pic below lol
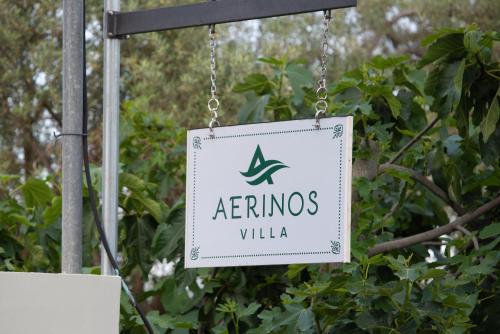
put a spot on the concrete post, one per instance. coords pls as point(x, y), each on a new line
point(73, 40)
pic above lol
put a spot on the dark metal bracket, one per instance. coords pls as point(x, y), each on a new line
point(123, 24)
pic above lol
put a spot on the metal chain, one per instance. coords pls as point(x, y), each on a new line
point(213, 102)
point(321, 104)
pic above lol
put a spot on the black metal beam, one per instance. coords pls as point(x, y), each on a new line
point(121, 24)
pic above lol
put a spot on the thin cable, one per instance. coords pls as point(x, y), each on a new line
point(92, 200)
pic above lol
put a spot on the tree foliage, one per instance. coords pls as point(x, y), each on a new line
point(426, 161)
point(170, 68)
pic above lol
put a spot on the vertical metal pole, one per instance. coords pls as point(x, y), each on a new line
point(111, 101)
point(71, 251)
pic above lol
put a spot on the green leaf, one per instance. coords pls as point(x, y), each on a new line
point(272, 61)
point(132, 182)
point(9, 265)
point(416, 79)
point(257, 82)
point(229, 306)
point(445, 45)
point(488, 247)
point(485, 179)
point(254, 109)
point(305, 322)
point(441, 33)
point(275, 319)
point(299, 77)
point(394, 104)
point(490, 151)
point(220, 329)
point(445, 84)
point(20, 219)
point(175, 298)
point(433, 273)
point(366, 321)
point(294, 270)
point(487, 265)
point(472, 40)
point(187, 321)
point(36, 193)
point(400, 174)
point(153, 207)
point(458, 82)
point(382, 63)
point(490, 231)
point(403, 270)
point(168, 236)
point(7, 178)
point(52, 213)
point(38, 256)
point(386, 92)
point(139, 235)
point(407, 133)
point(452, 145)
point(164, 321)
point(343, 84)
point(249, 310)
point(489, 123)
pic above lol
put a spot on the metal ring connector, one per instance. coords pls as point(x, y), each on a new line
point(213, 104)
point(321, 105)
point(322, 93)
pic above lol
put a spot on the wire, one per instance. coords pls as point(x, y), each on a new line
point(92, 200)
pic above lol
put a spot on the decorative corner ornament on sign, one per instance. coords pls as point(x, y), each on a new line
point(335, 246)
point(195, 253)
point(338, 130)
point(197, 143)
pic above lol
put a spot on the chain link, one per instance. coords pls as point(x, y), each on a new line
point(321, 104)
point(213, 102)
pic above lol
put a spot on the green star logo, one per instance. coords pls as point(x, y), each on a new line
point(261, 170)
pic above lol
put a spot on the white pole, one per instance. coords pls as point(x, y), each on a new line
point(110, 159)
point(71, 249)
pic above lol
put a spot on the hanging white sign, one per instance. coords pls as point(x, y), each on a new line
point(269, 193)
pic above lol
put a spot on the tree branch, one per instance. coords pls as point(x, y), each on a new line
point(434, 233)
point(389, 25)
point(397, 17)
point(55, 117)
point(426, 183)
point(413, 141)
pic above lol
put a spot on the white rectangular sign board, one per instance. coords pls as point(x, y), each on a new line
point(59, 303)
point(269, 193)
